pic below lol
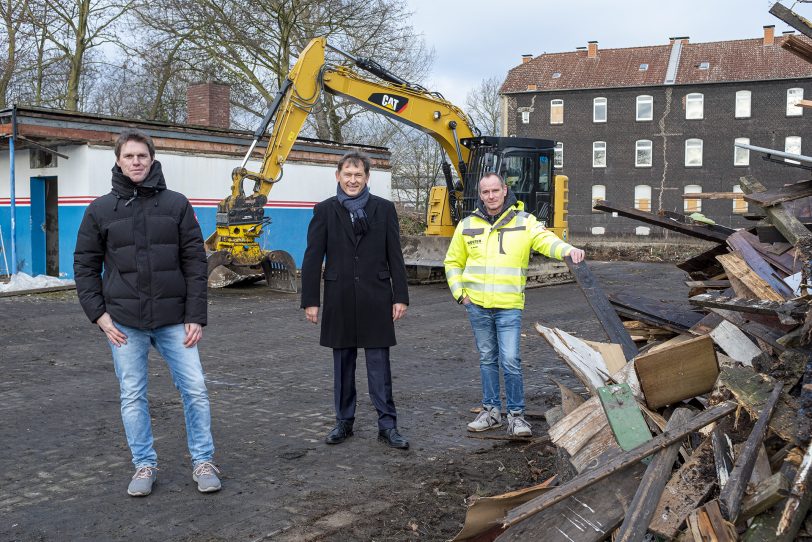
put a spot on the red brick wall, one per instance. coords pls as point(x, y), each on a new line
point(208, 104)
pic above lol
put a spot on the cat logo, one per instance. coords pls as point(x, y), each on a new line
point(392, 102)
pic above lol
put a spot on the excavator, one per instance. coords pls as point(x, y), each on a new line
point(526, 164)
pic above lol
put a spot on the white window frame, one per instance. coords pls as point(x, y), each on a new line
point(642, 100)
point(693, 144)
point(640, 145)
point(596, 105)
point(743, 104)
point(794, 95)
point(739, 203)
point(793, 144)
point(692, 205)
point(598, 193)
point(694, 106)
point(557, 104)
point(525, 117)
point(558, 155)
point(597, 147)
point(741, 157)
point(642, 197)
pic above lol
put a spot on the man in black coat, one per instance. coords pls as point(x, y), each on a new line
point(365, 291)
point(146, 241)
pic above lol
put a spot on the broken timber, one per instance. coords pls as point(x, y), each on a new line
point(706, 232)
point(618, 462)
point(757, 263)
point(642, 508)
point(791, 18)
point(794, 309)
point(790, 192)
point(603, 309)
point(656, 312)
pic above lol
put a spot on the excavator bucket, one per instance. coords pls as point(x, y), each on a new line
point(280, 271)
point(424, 255)
point(223, 271)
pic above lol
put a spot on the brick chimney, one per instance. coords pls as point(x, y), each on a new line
point(769, 35)
point(592, 49)
point(526, 58)
point(207, 104)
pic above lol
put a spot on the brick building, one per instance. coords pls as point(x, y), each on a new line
point(642, 126)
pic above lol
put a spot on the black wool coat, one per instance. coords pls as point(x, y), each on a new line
point(139, 256)
point(363, 276)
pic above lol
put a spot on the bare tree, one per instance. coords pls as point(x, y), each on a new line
point(482, 105)
point(13, 15)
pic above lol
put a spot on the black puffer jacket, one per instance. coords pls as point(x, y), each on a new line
point(151, 248)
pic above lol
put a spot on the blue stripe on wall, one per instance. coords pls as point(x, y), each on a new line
point(287, 231)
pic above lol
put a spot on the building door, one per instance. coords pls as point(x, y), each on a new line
point(44, 226)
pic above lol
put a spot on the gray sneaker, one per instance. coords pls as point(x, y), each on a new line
point(518, 426)
point(488, 418)
point(141, 484)
point(205, 474)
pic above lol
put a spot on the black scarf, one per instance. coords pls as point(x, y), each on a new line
point(355, 205)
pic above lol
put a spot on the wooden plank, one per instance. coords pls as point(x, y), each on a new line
point(673, 341)
point(757, 263)
point(642, 508)
point(694, 230)
point(730, 498)
point(734, 343)
point(585, 362)
point(800, 189)
point(789, 226)
point(603, 442)
point(798, 500)
point(771, 235)
point(680, 372)
point(723, 459)
point(589, 516)
point(573, 431)
point(752, 389)
point(602, 308)
point(737, 269)
point(677, 315)
point(713, 195)
point(618, 462)
point(791, 18)
point(802, 49)
point(624, 416)
point(684, 492)
point(795, 309)
point(765, 495)
point(611, 353)
point(707, 284)
point(708, 525)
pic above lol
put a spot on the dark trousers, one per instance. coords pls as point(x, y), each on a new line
point(379, 379)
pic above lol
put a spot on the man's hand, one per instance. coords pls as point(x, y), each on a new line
point(398, 311)
point(114, 335)
point(577, 255)
point(312, 314)
point(194, 332)
point(466, 300)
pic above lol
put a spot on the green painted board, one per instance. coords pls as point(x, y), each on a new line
point(625, 418)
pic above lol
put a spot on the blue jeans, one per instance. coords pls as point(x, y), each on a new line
point(184, 363)
point(497, 333)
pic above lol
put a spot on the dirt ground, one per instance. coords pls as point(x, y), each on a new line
point(65, 464)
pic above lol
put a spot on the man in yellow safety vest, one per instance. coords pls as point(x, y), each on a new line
point(486, 268)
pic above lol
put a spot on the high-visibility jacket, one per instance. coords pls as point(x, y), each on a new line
point(488, 263)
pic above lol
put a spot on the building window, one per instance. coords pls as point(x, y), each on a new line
point(704, 65)
point(642, 197)
point(741, 157)
point(525, 117)
point(743, 104)
point(556, 75)
point(598, 193)
point(739, 205)
point(599, 154)
point(643, 67)
point(558, 159)
point(599, 110)
point(692, 205)
point(598, 230)
point(642, 230)
point(794, 95)
point(642, 153)
point(556, 111)
point(694, 106)
point(693, 152)
point(792, 144)
point(645, 108)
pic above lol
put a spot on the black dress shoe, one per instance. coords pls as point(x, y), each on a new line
point(340, 432)
point(393, 438)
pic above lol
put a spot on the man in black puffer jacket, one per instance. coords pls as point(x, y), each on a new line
point(147, 242)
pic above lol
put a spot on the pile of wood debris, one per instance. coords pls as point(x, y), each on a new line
point(698, 423)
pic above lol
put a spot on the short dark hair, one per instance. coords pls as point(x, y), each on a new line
point(492, 174)
point(131, 134)
point(355, 158)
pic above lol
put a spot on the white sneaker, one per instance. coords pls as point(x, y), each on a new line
point(489, 418)
point(518, 426)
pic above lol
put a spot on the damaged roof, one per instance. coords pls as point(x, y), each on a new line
point(713, 62)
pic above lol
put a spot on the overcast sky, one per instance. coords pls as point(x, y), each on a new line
point(476, 39)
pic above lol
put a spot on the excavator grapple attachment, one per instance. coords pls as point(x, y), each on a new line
point(280, 271)
point(276, 267)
